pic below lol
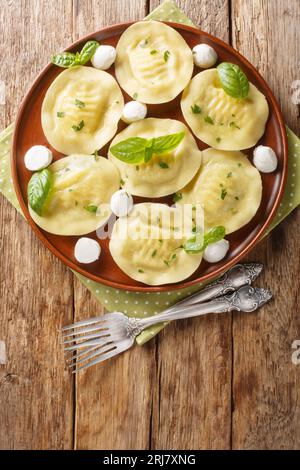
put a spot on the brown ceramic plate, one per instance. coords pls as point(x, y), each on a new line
point(28, 132)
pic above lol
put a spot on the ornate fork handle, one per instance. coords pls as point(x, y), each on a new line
point(238, 276)
point(246, 299)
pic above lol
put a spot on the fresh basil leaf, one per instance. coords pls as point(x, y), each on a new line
point(131, 150)
point(198, 242)
point(77, 59)
point(38, 189)
point(149, 150)
point(139, 150)
point(148, 154)
point(68, 59)
point(233, 80)
point(214, 235)
point(167, 143)
point(195, 243)
point(65, 59)
point(88, 51)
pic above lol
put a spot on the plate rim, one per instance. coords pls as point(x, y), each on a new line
point(165, 287)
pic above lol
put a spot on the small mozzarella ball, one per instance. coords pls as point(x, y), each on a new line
point(216, 251)
point(134, 111)
point(121, 203)
point(204, 56)
point(37, 158)
point(104, 57)
point(87, 250)
point(264, 158)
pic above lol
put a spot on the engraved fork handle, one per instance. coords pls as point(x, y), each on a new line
point(238, 276)
point(246, 299)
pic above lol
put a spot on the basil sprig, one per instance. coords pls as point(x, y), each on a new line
point(65, 59)
point(198, 242)
point(140, 150)
point(38, 189)
point(69, 59)
point(88, 51)
point(233, 80)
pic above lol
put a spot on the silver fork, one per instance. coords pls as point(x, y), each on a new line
point(101, 338)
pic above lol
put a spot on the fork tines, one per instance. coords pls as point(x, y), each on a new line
point(92, 337)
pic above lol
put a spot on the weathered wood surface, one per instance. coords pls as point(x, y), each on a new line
point(266, 384)
point(216, 382)
point(36, 290)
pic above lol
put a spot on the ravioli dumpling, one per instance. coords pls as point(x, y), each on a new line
point(163, 174)
point(219, 120)
point(228, 187)
point(78, 202)
point(154, 63)
point(146, 246)
point(81, 110)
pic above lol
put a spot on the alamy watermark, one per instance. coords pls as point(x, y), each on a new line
point(296, 92)
point(2, 92)
point(296, 353)
point(148, 221)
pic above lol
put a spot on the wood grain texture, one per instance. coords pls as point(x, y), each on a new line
point(210, 383)
point(113, 399)
point(266, 385)
point(36, 290)
point(267, 33)
point(192, 404)
point(209, 15)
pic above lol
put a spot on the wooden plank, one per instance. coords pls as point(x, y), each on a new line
point(209, 15)
point(267, 33)
point(266, 384)
point(192, 404)
point(113, 400)
point(184, 382)
point(36, 290)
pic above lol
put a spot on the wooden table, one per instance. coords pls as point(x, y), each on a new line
point(224, 381)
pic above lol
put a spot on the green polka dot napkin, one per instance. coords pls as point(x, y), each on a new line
point(144, 304)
